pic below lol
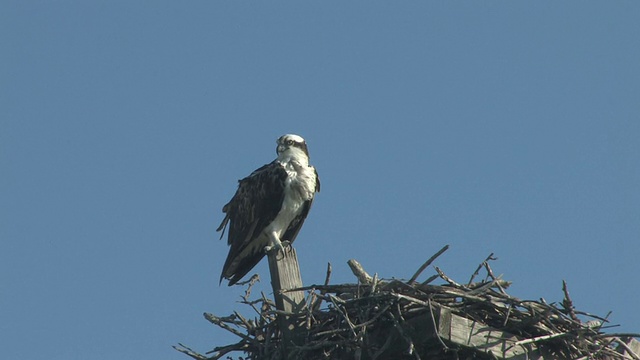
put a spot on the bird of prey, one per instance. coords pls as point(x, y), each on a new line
point(269, 207)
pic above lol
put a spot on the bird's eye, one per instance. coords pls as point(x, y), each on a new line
point(289, 142)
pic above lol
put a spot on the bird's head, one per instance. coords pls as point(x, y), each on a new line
point(292, 144)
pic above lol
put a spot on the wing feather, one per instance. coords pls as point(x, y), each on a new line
point(254, 206)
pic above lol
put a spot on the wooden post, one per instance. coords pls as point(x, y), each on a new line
point(285, 274)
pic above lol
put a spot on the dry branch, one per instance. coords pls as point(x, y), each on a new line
point(359, 272)
point(427, 263)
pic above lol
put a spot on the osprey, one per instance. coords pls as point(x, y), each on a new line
point(269, 207)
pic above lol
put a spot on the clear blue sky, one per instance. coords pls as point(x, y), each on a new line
point(505, 127)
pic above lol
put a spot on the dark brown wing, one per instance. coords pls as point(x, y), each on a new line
point(254, 206)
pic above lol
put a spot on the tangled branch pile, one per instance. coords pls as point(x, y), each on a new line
point(378, 319)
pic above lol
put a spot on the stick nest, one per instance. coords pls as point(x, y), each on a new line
point(394, 319)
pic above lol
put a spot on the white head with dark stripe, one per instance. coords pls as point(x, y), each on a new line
point(291, 146)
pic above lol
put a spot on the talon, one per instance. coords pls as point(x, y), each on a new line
point(278, 247)
point(286, 245)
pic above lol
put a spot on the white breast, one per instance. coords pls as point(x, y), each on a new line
point(299, 188)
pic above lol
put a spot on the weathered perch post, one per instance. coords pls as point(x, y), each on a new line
point(285, 275)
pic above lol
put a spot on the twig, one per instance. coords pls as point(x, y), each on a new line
point(374, 283)
point(604, 319)
point(411, 299)
point(312, 300)
point(435, 327)
point(567, 303)
point(482, 264)
point(221, 351)
point(188, 351)
point(341, 288)
point(447, 279)
point(429, 280)
point(540, 338)
point(255, 278)
point(344, 314)
point(221, 323)
point(373, 319)
point(427, 263)
point(506, 317)
point(501, 284)
point(244, 321)
point(326, 279)
point(316, 304)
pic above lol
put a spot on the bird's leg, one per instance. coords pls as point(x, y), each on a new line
point(274, 243)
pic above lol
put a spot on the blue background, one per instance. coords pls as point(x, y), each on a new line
point(504, 127)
